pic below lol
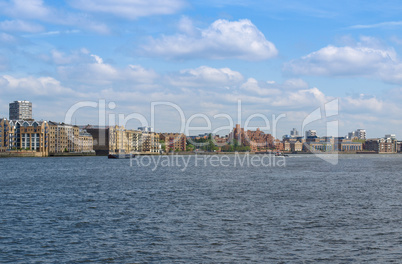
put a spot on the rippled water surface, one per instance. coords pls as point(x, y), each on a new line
point(91, 209)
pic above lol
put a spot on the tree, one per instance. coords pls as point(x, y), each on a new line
point(189, 147)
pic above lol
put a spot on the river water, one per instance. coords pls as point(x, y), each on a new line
point(298, 209)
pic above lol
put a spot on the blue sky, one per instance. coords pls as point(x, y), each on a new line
point(277, 57)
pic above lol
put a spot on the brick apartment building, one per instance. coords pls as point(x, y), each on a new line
point(174, 141)
point(256, 140)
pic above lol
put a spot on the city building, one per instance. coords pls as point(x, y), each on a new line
point(347, 145)
point(200, 136)
point(4, 135)
point(100, 137)
point(34, 136)
point(278, 145)
point(134, 141)
point(125, 141)
point(286, 145)
point(150, 142)
point(146, 129)
point(381, 145)
point(294, 133)
point(63, 138)
point(399, 146)
point(85, 142)
point(24, 135)
point(174, 141)
point(43, 137)
point(118, 140)
point(296, 146)
point(20, 110)
point(391, 136)
point(324, 144)
point(256, 140)
point(359, 134)
point(310, 133)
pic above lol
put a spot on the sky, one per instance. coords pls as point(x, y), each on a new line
point(178, 63)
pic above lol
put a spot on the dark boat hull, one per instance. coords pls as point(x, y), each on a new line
point(121, 156)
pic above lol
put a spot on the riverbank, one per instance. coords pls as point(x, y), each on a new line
point(35, 154)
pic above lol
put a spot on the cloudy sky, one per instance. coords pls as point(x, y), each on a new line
point(204, 57)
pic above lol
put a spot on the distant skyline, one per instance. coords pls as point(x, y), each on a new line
point(276, 57)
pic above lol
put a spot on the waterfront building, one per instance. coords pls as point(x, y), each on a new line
point(237, 134)
point(100, 135)
point(43, 137)
point(125, 141)
point(34, 135)
point(29, 135)
point(118, 140)
point(4, 135)
point(399, 146)
point(256, 140)
point(85, 142)
point(134, 141)
point(20, 110)
point(14, 135)
point(286, 146)
point(324, 144)
point(296, 146)
point(347, 145)
point(174, 141)
point(381, 145)
point(63, 138)
point(319, 146)
point(150, 142)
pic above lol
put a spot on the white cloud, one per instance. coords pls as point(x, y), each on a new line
point(37, 10)
point(333, 60)
point(97, 72)
point(396, 39)
point(98, 59)
point(256, 96)
point(362, 103)
point(295, 84)
point(32, 9)
point(366, 59)
point(19, 25)
point(8, 39)
point(44, 86)
point(223, 39)
point(186, 26)
point(378, 25)
point(60, 58)
point(301, 99)
point(206, 77)
point(129, 9)
point(4, 63)
point(273, 89)
point(252, 86)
